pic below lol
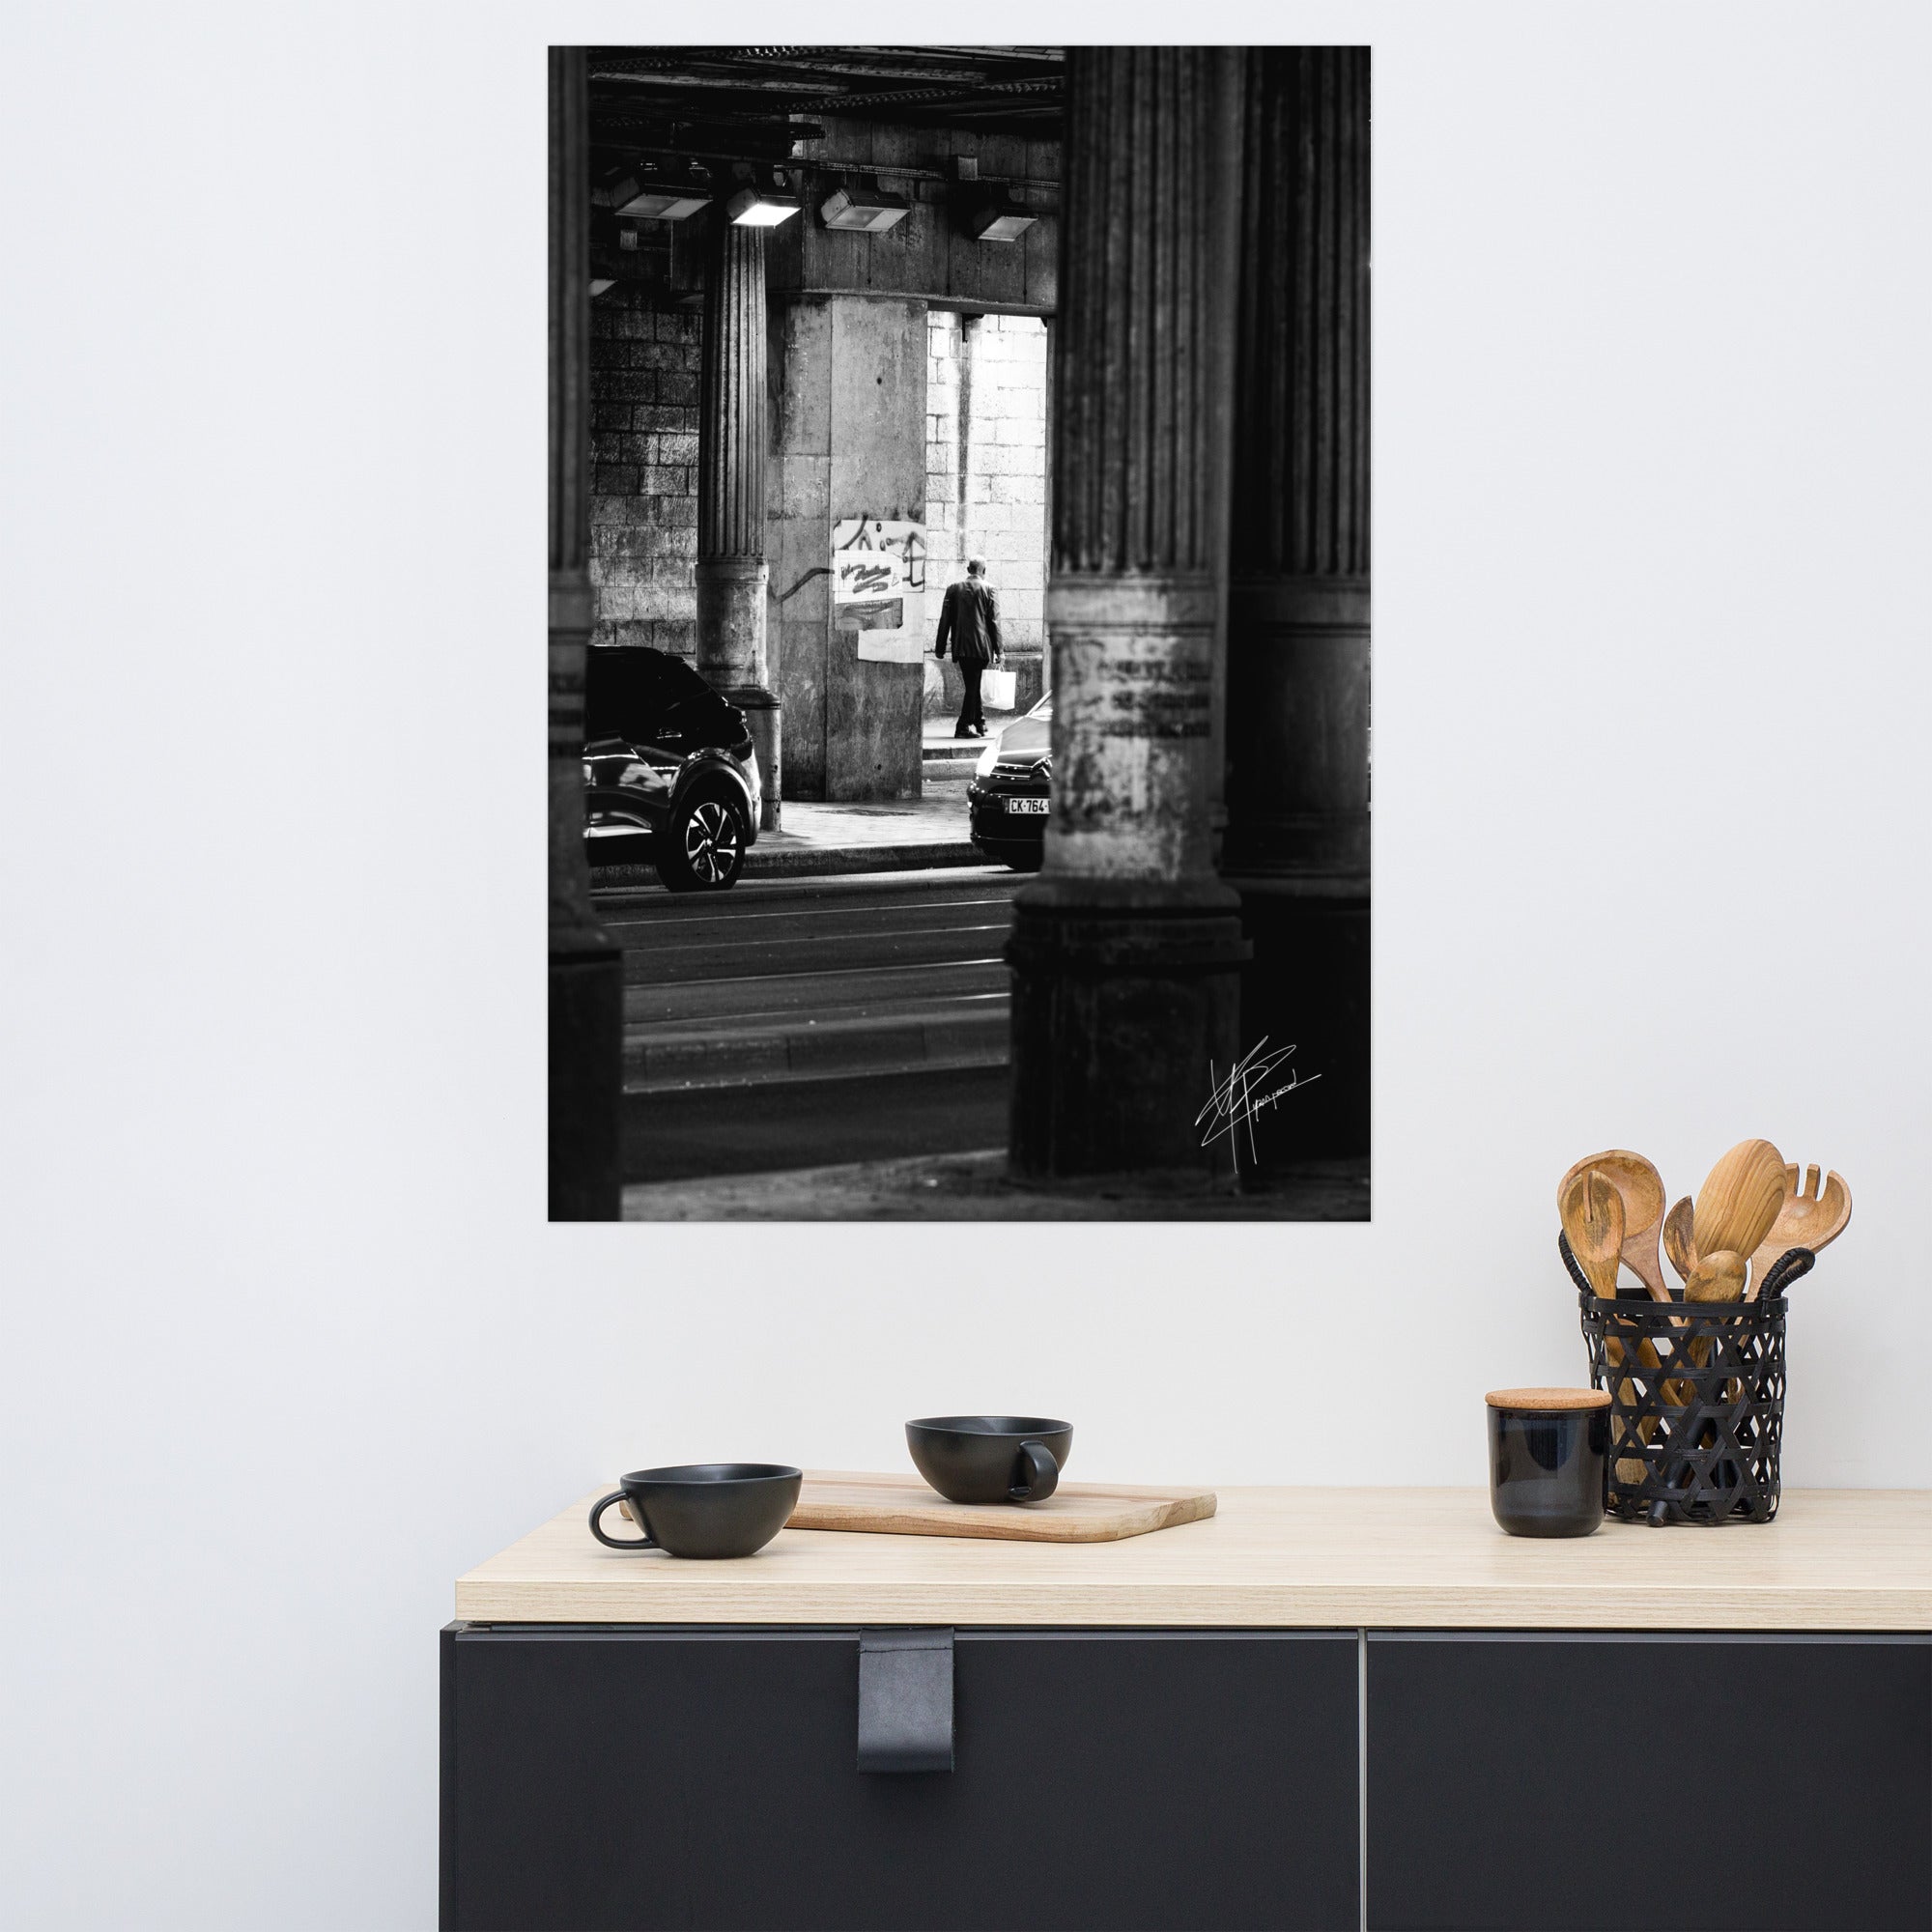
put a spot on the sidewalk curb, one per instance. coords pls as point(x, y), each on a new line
point(809, 860)
point(908, 858)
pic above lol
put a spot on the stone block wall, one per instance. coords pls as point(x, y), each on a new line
point(986, 480)
point(643, 450)
point(848, 439)
point(943, 368)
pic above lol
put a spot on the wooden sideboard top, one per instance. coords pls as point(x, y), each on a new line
point(1834, 1559)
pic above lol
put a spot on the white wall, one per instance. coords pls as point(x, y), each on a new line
point(288, 1344)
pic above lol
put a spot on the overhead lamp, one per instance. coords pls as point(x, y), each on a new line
point(654, 197)
point(999, 218)
point(864, 210)
point(764, 201)
point(654, 204)
point(753, 207)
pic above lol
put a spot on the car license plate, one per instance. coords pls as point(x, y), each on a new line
point(1036, 806)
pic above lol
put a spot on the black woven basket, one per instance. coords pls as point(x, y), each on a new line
point(1697, 1401)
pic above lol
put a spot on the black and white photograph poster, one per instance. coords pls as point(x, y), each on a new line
point(959, 649)
point(969, 1341)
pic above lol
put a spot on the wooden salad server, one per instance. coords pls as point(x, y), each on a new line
point(1641, 1188)
point(1809, 1216)
point(1680, 1242)
point(1593, 1218)
point(1592, 1210)
point(1716, 1277)
point(1739, 1201)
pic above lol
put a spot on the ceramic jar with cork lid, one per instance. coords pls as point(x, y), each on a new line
point(1549, 1452)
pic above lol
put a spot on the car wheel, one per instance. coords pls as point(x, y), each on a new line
point(703, 848)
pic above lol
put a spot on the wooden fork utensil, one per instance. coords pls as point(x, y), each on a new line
point(1809, 1215)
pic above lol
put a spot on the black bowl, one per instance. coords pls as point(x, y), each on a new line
point(990, 1459)
point(704, 1509)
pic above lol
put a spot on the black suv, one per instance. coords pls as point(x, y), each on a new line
point(670, 771)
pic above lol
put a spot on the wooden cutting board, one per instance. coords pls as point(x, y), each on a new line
point(1075, 1512)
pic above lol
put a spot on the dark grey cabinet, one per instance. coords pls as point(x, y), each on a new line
point(609, 1777)
point(1583, 1783)
point(613, 1776)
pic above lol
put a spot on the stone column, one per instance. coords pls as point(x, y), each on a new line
point(1127, 950)
point(586, 991)
point(1297, 839)
point(730, 574)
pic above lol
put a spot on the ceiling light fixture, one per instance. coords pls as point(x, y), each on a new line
point(999, 218)
point(654, 196)
point(662, 205)
point(865, 209)
point(765, 199)
point(753, 207)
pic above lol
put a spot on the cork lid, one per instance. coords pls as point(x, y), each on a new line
point(1547, 1401)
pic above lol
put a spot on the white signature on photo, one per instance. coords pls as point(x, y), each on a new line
point(1235, 1101)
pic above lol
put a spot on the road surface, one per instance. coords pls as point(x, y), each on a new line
point(794, 1023)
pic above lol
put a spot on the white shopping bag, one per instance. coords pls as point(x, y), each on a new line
point(997, 690)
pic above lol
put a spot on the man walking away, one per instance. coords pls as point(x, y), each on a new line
point(970, 619)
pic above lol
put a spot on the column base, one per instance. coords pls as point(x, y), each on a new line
point(731, 620)
point(586, 1074)
point(1126, 995)
point(764, 720)
point(1307, 987)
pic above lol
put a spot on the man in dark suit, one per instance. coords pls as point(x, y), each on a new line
point(970, 621)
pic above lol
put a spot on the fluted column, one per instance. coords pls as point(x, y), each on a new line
point(586, 991)
point(1125, 951)
point(731, 447)
point(1296, 847)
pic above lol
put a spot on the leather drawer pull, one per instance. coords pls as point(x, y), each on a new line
point(905, 1700)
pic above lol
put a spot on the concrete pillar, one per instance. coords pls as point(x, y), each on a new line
point(587, 990)
point(1047, 509)
point(731, 572)
point(1127, 950)
point(1297, 839)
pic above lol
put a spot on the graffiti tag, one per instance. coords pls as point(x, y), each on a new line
point(873, 557)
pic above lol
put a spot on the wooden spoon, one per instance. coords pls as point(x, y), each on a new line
point(1593, 1222)
point(1739, 1200)
point(1593, 1218)
point(1808, 1217)
point(1641, 1188)
point(1680, 1242)
point(1716, 1277)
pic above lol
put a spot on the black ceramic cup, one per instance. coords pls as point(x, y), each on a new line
point(990, 1459)
point(704, 1509)
point(1548, 1457)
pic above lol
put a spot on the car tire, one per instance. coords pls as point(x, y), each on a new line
point(701, 848)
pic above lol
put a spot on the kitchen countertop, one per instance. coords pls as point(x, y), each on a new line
point(1833, 1560)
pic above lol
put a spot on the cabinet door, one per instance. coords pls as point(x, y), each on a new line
point(603, 1779)
point(1569, 1782)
